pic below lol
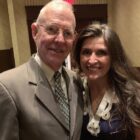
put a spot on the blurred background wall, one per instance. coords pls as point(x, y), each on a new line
point(16, 16)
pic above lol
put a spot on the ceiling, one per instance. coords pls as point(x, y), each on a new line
point(42, 2)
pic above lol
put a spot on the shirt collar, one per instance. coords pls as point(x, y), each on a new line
point(46, 69)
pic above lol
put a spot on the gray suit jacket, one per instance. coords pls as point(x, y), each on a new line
point(28, 110)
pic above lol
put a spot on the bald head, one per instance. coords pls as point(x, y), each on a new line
point(56, 5)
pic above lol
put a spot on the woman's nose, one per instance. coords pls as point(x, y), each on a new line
point(93, 58)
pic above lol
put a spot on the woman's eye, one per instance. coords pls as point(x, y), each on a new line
point(86, 52)
point(101, 53)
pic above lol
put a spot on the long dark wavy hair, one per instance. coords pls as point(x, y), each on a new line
point(125, 78)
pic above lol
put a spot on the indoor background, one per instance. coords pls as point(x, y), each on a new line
point(16, 45)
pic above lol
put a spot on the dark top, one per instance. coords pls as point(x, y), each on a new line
point(109, 130)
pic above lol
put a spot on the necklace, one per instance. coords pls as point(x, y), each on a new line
point(103, 112)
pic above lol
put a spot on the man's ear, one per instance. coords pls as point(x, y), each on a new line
point(34, 30)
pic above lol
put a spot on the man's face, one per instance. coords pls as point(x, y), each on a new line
point(55, 37)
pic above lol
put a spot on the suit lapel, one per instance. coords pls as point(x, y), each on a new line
point(72, 99)
point(44, 92)
point(45, 95)
point(73, 107)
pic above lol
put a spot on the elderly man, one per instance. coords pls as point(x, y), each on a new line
point(41, 99)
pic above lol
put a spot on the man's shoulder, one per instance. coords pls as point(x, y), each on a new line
point(12, 72)
point(14, 75)
point(75, 77)
point(18, 71)
point(70, 72)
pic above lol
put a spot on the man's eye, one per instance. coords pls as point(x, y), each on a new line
point(68, 34)
point(51, 30)
point(86, 52)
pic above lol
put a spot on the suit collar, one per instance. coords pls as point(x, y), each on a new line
point(43, 90)
point(45, 95)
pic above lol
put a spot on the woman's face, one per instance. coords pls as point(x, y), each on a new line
point(95, 59)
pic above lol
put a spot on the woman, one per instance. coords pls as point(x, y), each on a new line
point(112, 89)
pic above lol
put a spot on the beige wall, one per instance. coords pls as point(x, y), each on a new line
point(13, 29)
point(19, 32)
point(5, 34)
point(13, 26)
point(124, 17)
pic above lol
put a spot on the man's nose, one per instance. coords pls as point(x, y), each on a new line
point(60, 36)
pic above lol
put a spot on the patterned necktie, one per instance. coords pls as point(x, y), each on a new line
point(60, 97)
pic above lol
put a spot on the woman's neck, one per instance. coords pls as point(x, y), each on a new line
point(97, 90)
